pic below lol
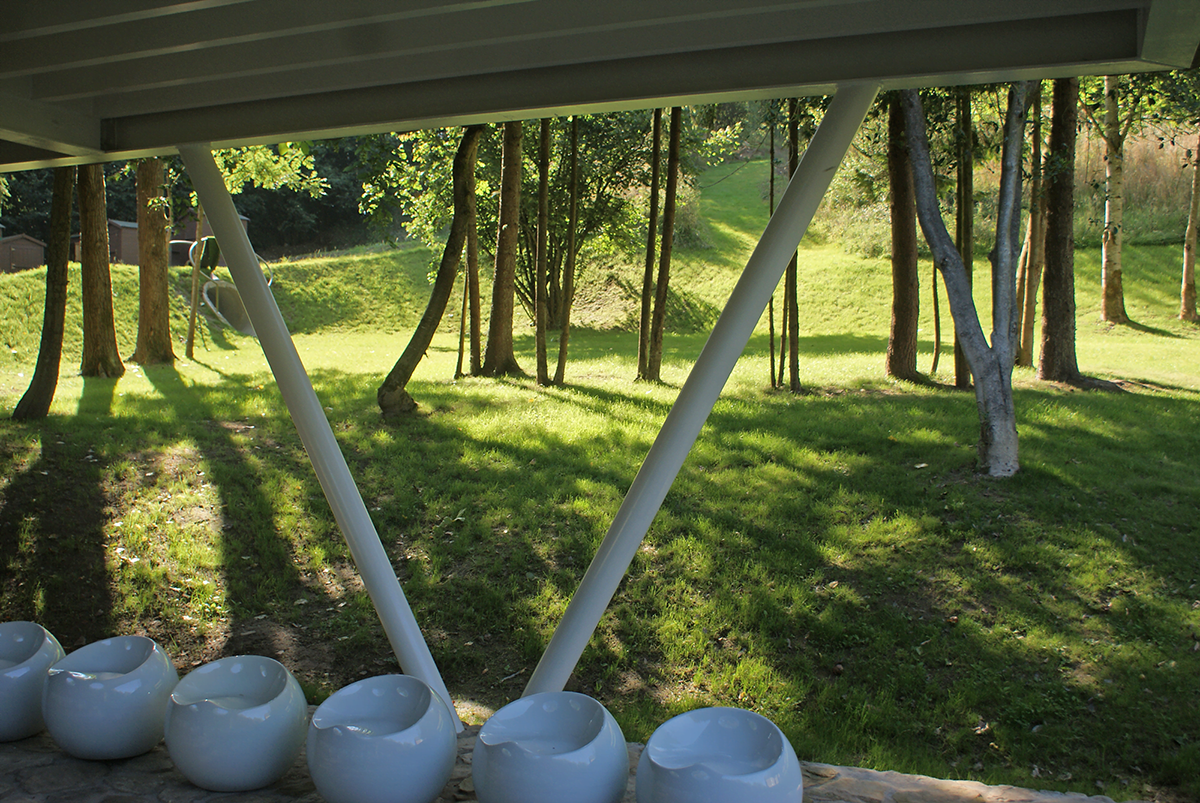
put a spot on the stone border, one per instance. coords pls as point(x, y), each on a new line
point(34, 770)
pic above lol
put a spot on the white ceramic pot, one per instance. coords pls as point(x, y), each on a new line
point(106, 700)
point(554, 747)
point(719, 755)
point(386, 739)
point(236, 724)
point(27, 651)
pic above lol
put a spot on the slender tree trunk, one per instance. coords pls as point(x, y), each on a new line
point(783, 333)
point(473, 274)
point(790, 290)
point(990, 365)
point(901, 361)
point(964, 219)
point(392, 397)
point(1034, 258)
point(1056, 358)
point(36, 401)
point(189, 348)
point(500, 359)
point(1187, 293)
point(462, 328)
point(937, 325)
point(771, 300)
point(540, 260)
point(659, 318)
point(154, 305)
point(564, 336)
point(100, 354)
point(1112, 295)
point(651, 241)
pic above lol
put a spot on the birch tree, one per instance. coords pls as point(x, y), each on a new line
point(991, 364)
point(1118, 112)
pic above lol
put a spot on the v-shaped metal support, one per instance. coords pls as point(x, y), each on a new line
point(696, 399)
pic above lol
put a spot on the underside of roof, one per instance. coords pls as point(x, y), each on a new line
point(84, 81)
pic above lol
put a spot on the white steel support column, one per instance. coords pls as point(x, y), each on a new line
point(699, 393)
point(330, 465)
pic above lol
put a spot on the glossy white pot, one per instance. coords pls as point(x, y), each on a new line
point(554, 747)
point(386, 739)
point(106, 700)
point(27, 651)
point(236, 724)
point(719, 755)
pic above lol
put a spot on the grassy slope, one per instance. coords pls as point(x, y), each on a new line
point(829, 559)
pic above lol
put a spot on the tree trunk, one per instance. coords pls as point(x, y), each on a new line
point(189, 348)
point(36, 401)
point(990, 365)
point(392, 397)
point(473, 273)
point(1034, 258)
point(770, 212)
point(564, 336)
point(500, 359)
point(1056, 360)
point(100, 354)
point(651, 240)
point(1187, 294)
point(1112, 295)
point(543, 237)
point(937, 325)
point(462, 328)
point(790, 290)
point(901, 361)
point(964, 213)
point(154, 305)
point(659, 318)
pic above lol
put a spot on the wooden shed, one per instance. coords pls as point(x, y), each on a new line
point(21, 252)
point(122, 243)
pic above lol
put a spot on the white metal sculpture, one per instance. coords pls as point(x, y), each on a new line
point(733, 329)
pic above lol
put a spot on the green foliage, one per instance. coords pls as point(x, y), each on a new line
point(287, 165)
point(407, 177)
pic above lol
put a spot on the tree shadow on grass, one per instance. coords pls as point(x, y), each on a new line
point(253, 552)
point(1151, 330)
point(53, 514)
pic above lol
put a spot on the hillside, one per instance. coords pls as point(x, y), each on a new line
point(384, 290)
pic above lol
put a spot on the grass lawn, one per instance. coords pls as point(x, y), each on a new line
point(831, 559)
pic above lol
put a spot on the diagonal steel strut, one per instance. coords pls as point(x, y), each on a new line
point(699, 393)
point(399, 624)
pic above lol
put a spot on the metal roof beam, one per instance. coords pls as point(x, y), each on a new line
point(943, 55)
point(1170, 37)
point(48, 127)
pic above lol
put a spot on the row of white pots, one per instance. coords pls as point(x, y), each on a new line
point(238, 723)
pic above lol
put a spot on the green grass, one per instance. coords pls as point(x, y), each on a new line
point(831, 559)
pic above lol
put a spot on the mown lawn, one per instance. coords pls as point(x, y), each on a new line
point(831, 560)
